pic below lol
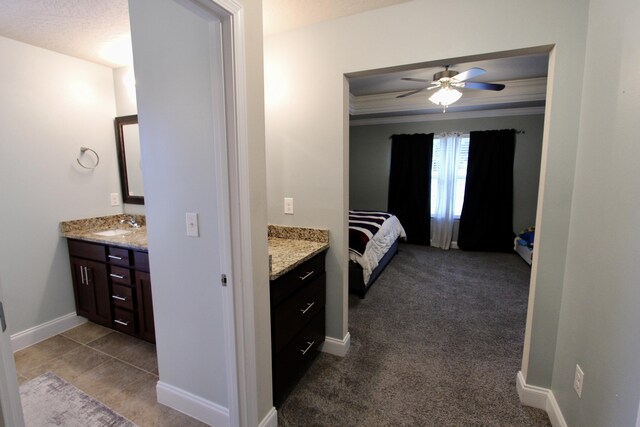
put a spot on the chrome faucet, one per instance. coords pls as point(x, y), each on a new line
point(131, 221)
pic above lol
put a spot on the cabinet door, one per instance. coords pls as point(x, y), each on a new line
point(97, 275)
point(91, 289)
point(85, 297)
point(146, 328)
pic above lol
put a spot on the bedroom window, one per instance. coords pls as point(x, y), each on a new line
point(460, 173)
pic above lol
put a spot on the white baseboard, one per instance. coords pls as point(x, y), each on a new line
point(335, 346)
point(541, 398)
point(270, 420)
point(454, 245)
point(44, 331)
point(195, 406)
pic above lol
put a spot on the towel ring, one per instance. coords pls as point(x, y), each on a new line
point(82, 151)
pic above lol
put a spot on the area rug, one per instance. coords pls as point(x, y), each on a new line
point(49, 400)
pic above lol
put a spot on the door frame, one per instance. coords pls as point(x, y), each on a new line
point(238, 314)
point(10, 405)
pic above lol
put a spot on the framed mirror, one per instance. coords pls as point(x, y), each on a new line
point(129, 161)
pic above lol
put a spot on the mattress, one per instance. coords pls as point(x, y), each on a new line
point(380, 230)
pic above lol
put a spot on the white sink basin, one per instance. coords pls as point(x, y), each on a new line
point(111, 233)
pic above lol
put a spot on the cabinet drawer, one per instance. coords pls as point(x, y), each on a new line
point(86, 250)
point(141, 261)
point(285, 285)
point(123, 321)
point(294, 313)
point(122, 296)
point(118, 256)
point(121, 275)
point(292, 360)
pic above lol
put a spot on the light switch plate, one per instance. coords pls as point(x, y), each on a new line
point(115, 199)
point(192, 225)
point(288, 205)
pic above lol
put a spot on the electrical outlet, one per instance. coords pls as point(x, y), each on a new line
point(115, 199)
point(578, 381)
point(288, 205)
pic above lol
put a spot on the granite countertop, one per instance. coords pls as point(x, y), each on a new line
point(291, 246)
point(85, 229)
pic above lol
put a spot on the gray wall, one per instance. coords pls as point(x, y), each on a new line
point(51, 105)
point(599, 318)
point(370, 154)
point(307, 115)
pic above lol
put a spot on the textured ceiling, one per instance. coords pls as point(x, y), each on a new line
point(98, 30)
point(82, 28)
point(284, 15)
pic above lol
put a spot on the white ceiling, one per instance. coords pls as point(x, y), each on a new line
point(81, 28)
point(98, 31)
point(88, 29)
point(284, 15)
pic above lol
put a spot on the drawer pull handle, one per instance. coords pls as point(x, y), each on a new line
point(115, 257)
point(309, 273)
point(309, 305)
point(117, 276)
point(120, 322)
point(118, 297)
point(307, 349)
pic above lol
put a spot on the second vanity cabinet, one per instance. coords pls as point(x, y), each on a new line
point(297, 322)
point(112, 287)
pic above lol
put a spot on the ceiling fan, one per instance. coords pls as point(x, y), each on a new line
point(448, 81)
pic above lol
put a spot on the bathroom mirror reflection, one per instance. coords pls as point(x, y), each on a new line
point(129, 161)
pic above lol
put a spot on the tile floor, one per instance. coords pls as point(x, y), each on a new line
point(116, 369)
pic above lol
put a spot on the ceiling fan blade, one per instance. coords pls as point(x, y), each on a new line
point(416, 80)
point(469, 74)
point(411, 93)
point(484, 86)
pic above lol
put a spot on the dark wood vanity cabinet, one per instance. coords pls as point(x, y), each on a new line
point(297, 322)
point(91, 289)
point(112, 287)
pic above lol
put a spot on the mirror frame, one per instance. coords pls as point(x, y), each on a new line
point(119, 122)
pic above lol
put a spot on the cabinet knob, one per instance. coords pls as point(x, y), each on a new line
point(120, 322)
point(118, 297)
point(117, 276)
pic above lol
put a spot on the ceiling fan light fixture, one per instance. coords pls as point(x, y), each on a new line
point(445, 96)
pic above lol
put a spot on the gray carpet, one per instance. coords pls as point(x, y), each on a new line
point(48, 400)
point(437, 342)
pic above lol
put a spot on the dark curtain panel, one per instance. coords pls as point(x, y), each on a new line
point(410, 185)
point(486, 221)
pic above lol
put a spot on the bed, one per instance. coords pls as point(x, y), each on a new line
point(523, 244)
point(373, 241)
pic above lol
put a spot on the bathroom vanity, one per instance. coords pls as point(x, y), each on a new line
point(298, 293)
point(110, 273)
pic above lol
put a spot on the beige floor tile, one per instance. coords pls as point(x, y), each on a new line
point(115, 344)
point(87, 332)
point(138, 402)
point(143, 355)
point(108, 379)
point(44, 351)
point(71, 365)
point(175, 418)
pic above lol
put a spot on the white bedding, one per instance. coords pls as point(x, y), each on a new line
point(378, 246)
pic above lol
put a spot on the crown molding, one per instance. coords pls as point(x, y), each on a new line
point(502, 112)
point(516, 91)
